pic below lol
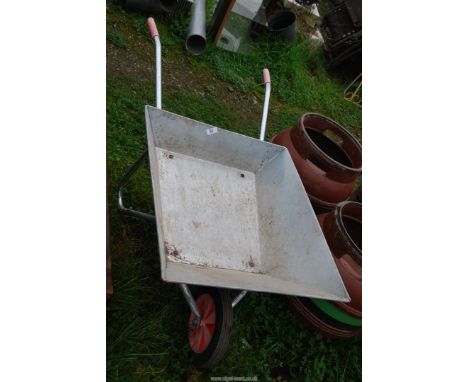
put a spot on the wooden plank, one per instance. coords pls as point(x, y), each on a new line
point(227, 13)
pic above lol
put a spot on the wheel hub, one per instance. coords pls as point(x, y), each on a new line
point(200, 335)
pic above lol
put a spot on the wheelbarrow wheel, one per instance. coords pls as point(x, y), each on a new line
point(210, 340)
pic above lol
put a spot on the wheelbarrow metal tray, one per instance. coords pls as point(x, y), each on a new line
point(231, 212)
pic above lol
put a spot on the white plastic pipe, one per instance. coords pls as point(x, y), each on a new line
point(267, 81)
point(155, 35)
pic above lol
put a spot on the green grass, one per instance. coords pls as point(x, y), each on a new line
point(298, 74)
point(147, 327)
point(116, 38)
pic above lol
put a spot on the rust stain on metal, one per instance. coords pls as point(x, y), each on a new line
point(171, 251)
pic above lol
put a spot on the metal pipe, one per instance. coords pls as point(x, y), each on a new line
point(158, 73)
point(238, 298)
point(267, 81)
point(123, 182)
point(196, 37)
point(155, 35)
point(191, 302)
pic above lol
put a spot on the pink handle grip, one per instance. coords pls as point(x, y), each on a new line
point(152, 27)
point(266, 76)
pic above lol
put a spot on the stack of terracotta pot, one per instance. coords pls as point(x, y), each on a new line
point(329, 160)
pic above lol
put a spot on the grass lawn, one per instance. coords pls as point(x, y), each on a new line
point(147, 326)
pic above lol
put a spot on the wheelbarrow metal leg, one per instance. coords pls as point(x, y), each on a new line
point(191, 302)
point(123, 182)
point(238, 298)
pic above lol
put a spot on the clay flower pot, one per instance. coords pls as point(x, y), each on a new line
point(327, 157)
point(313, 318)
point(342, 229)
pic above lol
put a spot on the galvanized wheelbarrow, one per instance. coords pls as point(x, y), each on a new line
point(231, 212)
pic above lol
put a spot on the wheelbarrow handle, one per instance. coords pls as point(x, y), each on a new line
point(155, 35)
point(152, 27)
point(267, 81)
point(266, 76)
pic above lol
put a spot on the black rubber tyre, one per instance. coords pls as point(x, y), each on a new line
point(224, 317)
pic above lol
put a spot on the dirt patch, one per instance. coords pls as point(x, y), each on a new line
point(122, 61)
point(180, 72)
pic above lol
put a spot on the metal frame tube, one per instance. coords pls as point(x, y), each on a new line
point(158, 73)
point(155, 34)
point(238, 298)
point(191, 302)
point(123, 182)
point(144, 157)
point(266, 78)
